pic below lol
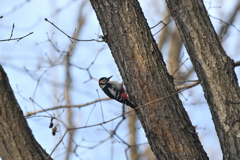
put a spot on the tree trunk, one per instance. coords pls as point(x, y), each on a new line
point(166, 124)
point(215, 70)
point(16, 139)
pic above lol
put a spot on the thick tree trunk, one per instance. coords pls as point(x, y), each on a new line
point(215, 70)
point(16, 139)
point(167, 125)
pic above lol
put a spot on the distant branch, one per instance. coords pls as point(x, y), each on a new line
point(225, 22)
point(166, 23)
point(162, 21)
point(224, 28)
point(70, 37)
point(65, 106)
point(180, 87)
point(18, 39)
point(11, 39)
point(12, 31)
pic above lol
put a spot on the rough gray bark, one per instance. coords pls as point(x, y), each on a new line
point(167, 125)
point(16, 139)
point(215, 70)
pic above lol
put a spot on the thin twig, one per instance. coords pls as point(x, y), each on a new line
point(18, 39)
point(179, 66)
point(100, 106)
point(12, 31)
point(163, 20)
point(58, 144)
point(225, 22)
point(90, 114)
point(110, 133)
point(67, 106)
point(183, 81)
point(119, 124)
point(40, 106)
point(167, 23)
point(187, 85)
point(70, 37)
point(91, 64)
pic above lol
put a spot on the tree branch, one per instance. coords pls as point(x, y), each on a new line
point(66, 106)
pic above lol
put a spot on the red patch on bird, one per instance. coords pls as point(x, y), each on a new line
point(125, 96)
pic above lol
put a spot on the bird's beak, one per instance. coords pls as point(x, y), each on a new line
point(109, 77)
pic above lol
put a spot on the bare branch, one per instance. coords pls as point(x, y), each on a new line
point(18, 39)
point(12, 31)
point(70, 37)
point(66, 106)
point(225, 22)
point(162, 21)
point(179, 67)
point(187, 85)
point(58, 144)
point(224, 28)
point(166, 23)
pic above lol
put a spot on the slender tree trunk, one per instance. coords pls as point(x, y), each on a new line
point(215, 70)
point(16, 139)
point(166, 124)
point(174, 54)
point(132, 136)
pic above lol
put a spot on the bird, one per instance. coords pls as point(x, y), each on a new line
point(115, 90)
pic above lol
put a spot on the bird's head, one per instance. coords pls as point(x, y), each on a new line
point(104, 80)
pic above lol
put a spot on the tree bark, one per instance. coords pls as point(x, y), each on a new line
point(215, 70)
point(166, 124)
point(16, 139)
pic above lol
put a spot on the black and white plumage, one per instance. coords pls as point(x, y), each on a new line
point(115, 91)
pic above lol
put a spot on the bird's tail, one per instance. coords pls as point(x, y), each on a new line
point(130, 104)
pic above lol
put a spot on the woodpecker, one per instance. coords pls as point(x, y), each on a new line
point(115, 91)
